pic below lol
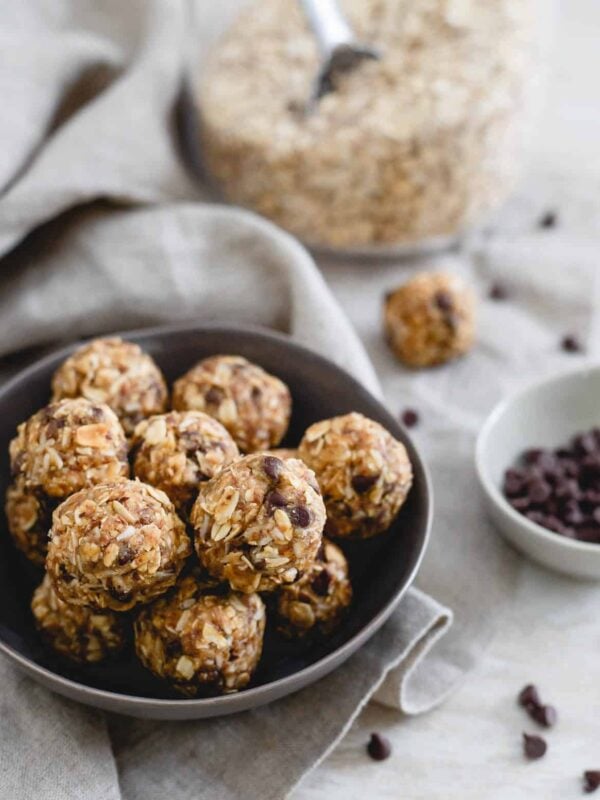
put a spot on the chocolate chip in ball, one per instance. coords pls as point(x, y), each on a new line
point(443, 301)
point(321, 583)
point(214, 396)
point(275, 499)
point(273, 467)
point(591, 780)
point(299, 516)
point(534, 747)
point(379, 747)
point(362, 483)
point(410, 418)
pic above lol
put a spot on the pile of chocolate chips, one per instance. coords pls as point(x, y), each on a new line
point(560, 489)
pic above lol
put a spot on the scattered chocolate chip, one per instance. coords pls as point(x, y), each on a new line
point(545, 715)
point(443, 300)
point(498, 292)
point(379, 747)
point(591, 780)
point(65, 575)
point(548, 220)
point(571, 344)
point(299, 516)
point(410, 418)
point(126, 554)
point(122, 597)
point(273, 467)
point(214, 396)
point(534, 747)
point(362, 483)
point(321, 582)
point(529, 695)
point(275, 499)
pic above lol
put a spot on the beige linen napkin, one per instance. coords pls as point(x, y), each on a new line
point(98, 232)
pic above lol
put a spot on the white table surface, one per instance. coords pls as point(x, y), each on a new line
point(470, 748)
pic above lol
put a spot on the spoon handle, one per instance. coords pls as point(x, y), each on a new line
point(328, 24)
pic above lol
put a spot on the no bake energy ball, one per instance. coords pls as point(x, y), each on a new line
point(253, 405)
point(258, 523)
point(316, 603)
point(430, 319)
point(116, 545)
point(201, 639)
point(29, 516)
point(117, 373)
point(177, 451)
point(364, 473)
point(62, 448)
point(76, 632)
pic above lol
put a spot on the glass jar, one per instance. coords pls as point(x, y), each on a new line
point(406, 153)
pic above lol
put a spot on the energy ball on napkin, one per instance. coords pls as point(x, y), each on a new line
point(253, 405)
point(64, 447)
point(363, 472)
point(177, 451)
point(201, 639)
point(259, 522)
point(79, 633)
point(116, 545)
point(430, 319)
point(316, 603)
point(117, 373)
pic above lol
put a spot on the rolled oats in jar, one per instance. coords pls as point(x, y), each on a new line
point(407, 150)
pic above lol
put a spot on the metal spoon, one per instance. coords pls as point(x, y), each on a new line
point(340, 49)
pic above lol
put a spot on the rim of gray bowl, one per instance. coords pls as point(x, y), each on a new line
point(490, 487)
point(258, 695)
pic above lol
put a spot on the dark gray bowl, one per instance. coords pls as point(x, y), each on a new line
point(382, 568)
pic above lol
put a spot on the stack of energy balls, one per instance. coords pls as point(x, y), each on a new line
point(113, 491)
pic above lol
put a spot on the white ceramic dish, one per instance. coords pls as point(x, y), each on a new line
point(546, 414)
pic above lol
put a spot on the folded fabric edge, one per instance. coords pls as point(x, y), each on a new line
point(433, 621)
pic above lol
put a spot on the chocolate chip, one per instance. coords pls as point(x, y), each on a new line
point(443, 300)
point(214, 396)
point(273, 467)
point(321, 583)
point(571, 344)
point(591, 780)
point(534, 747)
point(548, 220)
point(122, 597)
point(410, 418)
point(529, 696)
point(299, 516)
point(126, 554)
point(173, 648)
point(498, 292)
point(362, 483)
point(545, 715)
point(65, 575)
point(379, 747)
point(275, 499)
point(538, 491)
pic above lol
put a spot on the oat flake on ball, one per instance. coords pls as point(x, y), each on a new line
point(117, 373)
point(253, 405)
point(258, 524)
point(364, 473)
point(202, 639)
point(82, 634)
point(177, 451)
point(116, 545)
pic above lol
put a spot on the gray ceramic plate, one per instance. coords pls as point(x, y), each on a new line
point(382, 568)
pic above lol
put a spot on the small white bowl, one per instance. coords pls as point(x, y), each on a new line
point(546, 414)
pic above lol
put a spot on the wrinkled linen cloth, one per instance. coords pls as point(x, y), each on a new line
point(101, 228)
